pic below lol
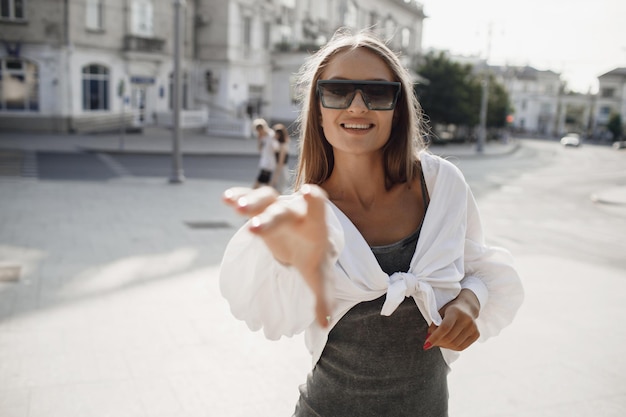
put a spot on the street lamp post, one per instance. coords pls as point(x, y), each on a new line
point(177, 176)
point(482, 134)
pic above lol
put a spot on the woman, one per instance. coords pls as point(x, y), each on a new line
point(280, 179)
point(378, 256)
point(267, 161)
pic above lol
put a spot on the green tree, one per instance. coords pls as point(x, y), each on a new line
point(498, 106)
point(615, 126)
point(448, 98)
point(454, 91)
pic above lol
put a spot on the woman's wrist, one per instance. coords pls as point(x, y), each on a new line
point(468, 301)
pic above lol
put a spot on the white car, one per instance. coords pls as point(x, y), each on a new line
point(571, 139)
point(619, 145)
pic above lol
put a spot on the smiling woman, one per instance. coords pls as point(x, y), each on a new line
point(378, 256)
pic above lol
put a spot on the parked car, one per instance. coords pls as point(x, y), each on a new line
point(619, 145)
point(571, 139)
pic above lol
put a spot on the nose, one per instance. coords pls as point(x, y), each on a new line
point(358, 102)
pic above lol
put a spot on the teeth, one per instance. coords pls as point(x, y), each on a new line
point(356, 126)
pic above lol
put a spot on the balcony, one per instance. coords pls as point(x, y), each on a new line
point(134, 43)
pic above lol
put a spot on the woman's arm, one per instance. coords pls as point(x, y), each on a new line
point(283, 258)
point(491, 292)
point(282, 156)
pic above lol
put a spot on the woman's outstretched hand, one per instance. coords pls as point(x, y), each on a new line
point(295, 232)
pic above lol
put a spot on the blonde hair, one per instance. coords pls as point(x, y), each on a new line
point(260, 123)
point(316, 160)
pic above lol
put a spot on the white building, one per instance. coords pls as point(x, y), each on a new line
point(89, 65)
point(611, 99)
point(535, 97)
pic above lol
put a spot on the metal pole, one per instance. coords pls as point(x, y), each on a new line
point(177, 176)
point(482, 134)
point(122, 126)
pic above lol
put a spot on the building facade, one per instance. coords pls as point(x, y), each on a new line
point(90, 65)
point(540, 104)
point(86, 65)
point(611, 101)
point(535, 97)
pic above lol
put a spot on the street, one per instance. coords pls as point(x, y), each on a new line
point(117, 309)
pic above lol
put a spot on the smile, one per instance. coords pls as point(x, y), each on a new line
point(356, 126)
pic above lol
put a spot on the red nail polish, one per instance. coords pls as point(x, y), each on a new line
point(427, 345)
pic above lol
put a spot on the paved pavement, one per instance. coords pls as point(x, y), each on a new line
point(115, 310)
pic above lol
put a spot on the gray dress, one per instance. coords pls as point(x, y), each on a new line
point(374, 365)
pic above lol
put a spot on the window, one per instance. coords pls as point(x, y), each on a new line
point(19, 85)
point(373, 19)
point(390, 28)
point(95, 87)
point(142, 18)
point(405, 38)
point(608, 92)
point(351, 16)
point(247, 31)
point(267, 34)
point(12, 9)
point(94, 14)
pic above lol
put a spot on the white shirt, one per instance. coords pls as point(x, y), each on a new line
point(268, 157)
point(451, 254)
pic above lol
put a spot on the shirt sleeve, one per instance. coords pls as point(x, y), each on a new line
point(265, 293)
point(490, 273)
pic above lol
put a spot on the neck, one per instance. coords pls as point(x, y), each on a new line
point(358, 181)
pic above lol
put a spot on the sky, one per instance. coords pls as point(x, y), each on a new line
point(581, 40)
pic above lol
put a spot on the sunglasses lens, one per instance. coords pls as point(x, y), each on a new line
point(337, 96)
point(378, 95)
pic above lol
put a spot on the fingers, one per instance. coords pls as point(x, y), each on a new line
point(315, 198)
point(271, 218)
point(455, 333)
point(249, 202)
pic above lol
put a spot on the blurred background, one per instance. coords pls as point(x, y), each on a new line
point(551, 67)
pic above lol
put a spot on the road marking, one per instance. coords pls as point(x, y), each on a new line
point(113, 165)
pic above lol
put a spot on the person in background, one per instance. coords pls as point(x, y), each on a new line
point(267, 162)
point(378, 255)
point(280, 179)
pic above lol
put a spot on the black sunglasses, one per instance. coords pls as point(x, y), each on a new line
point(377, 95)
